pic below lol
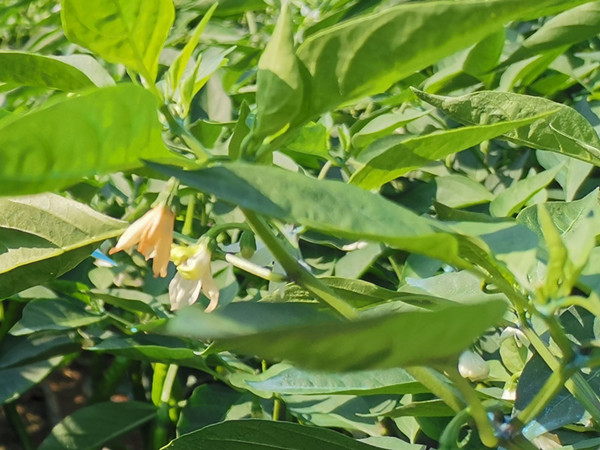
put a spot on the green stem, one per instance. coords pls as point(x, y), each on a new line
point(14, 419)
point(277, 409)
point(189, 216)
point(295, 270)
point(476, 409)
point(180, 131)
point(437, 384)
point(254, 269)
point(549, 390)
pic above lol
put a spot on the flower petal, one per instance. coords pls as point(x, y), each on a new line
point(183, 292)
point(210, 289)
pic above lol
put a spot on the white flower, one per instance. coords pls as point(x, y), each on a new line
point(153, 232)
point(193, 275)
point(472, 366)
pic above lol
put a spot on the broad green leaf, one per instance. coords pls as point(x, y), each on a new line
point(208, 404)
point(54, 314)
point(509, 201)
point(152, 348)
point(262, 434)
point(130, 32)
point(177, 68)
point(368, 343)
point(30, 69)
point(488, 107)
point(19, 379)
point(102, 131)
point(394, 156)
point(366, 55)
point(573, 173)
point(280, 87)
point(459, 191)
point(91, 427)
point(43, 236)
point(572, 26)
point(342, 210)
point(285, 379)
point(383, 125)
point(35, 347)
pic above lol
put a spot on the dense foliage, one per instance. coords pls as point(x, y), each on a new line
point(371, 224)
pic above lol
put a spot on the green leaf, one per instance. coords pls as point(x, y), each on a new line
point(394, 156)
point(263, 434)
point(573, 173)
point(30, 69)
point(35, 347)
point(366, 55)
point(152, 348)
point(384, 125)
point(509, 201)
point(368, 343)
point(208, 404)
point(54, 314)
point(280, 86)
point(43, 236)
point(130, 32)
point(285, 379)
point(91, 427)
point(572, 26)
point(459, 191)
point(102, 131)
point(484, 55)
point(177, 68)
point(19, 379)
point(325, 205)
point(488, 107)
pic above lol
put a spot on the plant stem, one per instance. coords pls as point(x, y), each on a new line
point(13, 417)
point(295, 270)
point(437, 384)
point(254, 269)
point(549, 390)
point(277, 409)
point(177, 128)
point(189, 216)
point(476, 409)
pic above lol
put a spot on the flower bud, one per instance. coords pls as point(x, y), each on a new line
point(247, 244)
point(472, 366)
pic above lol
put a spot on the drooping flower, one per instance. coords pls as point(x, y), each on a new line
point(153, 232)
point(193, 275)
point(472, 366)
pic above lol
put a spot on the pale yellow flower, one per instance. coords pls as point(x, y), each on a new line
point(153, 232)
point(193, 275)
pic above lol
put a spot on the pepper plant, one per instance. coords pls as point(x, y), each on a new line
point(371, 224)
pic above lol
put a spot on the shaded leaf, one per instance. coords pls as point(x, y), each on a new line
point(43, 236)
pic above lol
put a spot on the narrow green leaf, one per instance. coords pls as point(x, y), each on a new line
point(325, 205)
point(367, 343)
point(30, 69)
point(163, 349)
point(509, 201)
point(394, 156)
point(102, 131)
point(177, 68)
point(43, 236)
point(35, 347)
point(384, 125)
point(428, 408)
point(459, 191)
point(91, 427)
point(279, 81)
point(572, 175)
point(130, 32)
point(488, 107)
point(366, 55)
point(263, 434)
